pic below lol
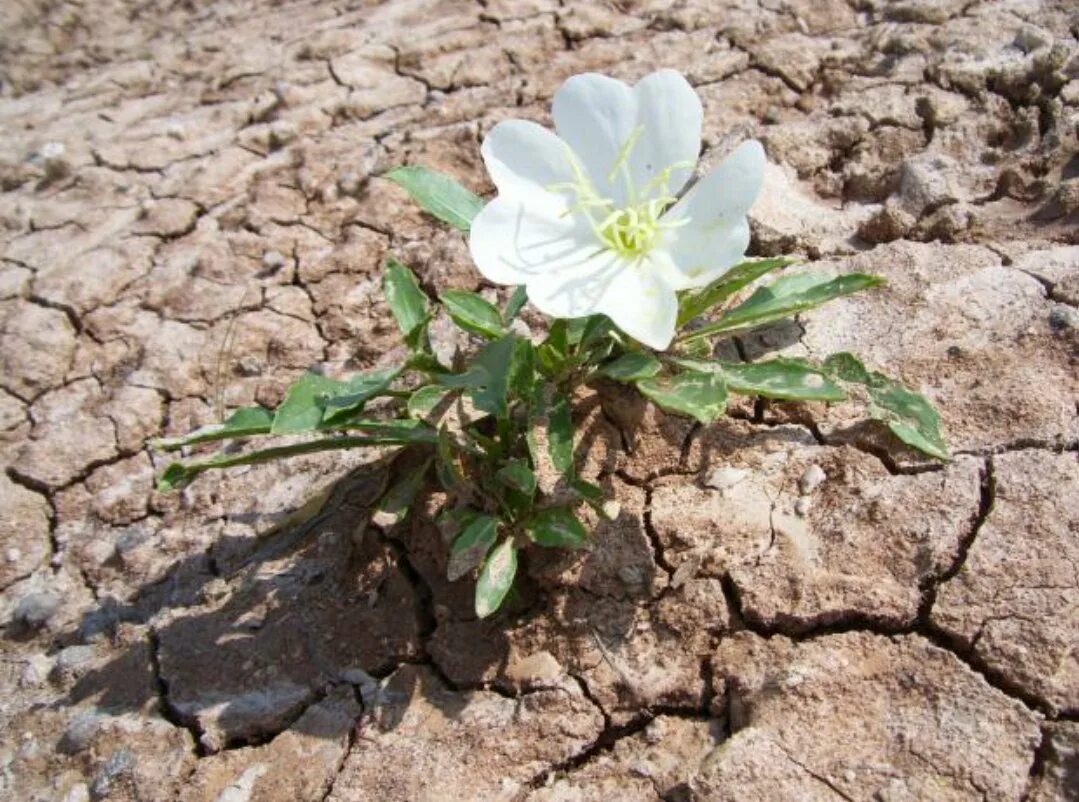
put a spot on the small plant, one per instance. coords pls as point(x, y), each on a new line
point(593, 228)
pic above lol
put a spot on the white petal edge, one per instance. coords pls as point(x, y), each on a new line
point(725, 194)
point(595, 115)
point(670, 115)
point(514, 242)
point(692, 256)
point(525, 161)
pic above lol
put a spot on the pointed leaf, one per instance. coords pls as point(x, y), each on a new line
point(471, 546)
point(496, 578)
point(178, 474)
point(517, 474)
point(356, 392)
point(631, 367)
point(700, 395)
point(407, 301)
point(397, 501)
point(557, 527)
point(516, 303)
point(694, 304)
point(473, 313)
point(494, 363)
point(786, 296)
point(783, 378)
point(908, 414)
point(426, 400)
point(438, 194)
point(302, 409)
point(244, 422)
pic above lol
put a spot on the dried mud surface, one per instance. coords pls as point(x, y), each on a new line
point(789, 605)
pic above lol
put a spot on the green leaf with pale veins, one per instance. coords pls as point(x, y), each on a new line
point(908, 414)
point(496, 578)
point(631, 367)
point(784, 297)
point(408, 303)
point(472, 545)
point(560, 433)
point(556, 527)
point(788, 379)
point(438, 194)
point(700, 395)
point(694, 304)
point(244, 422)
point(473, 313)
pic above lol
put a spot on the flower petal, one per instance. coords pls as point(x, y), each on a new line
point(595, 115)
point(670, 115)
point(513, 242)
point(642, 304)
point(658, 121)
point(713, 233)
point(525, 161)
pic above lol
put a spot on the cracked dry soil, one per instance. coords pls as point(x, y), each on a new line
point(789, 607)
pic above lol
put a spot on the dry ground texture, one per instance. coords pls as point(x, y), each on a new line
point(789, 607)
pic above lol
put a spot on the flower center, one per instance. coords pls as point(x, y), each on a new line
point(633, 231)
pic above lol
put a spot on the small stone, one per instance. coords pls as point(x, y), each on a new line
point(349, 183)
point(723, 479)
point(1063, 317)
point(119, 763)
point(35, 609)
point(273, 260)
point(1029, 39)
point(801, 507)
point(79, 733)
point(79, 792)
point(812, 478)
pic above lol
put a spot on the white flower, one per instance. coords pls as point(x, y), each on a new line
point(589, 220)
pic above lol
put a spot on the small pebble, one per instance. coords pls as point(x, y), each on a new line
point(725, 478)
point(35, 609)
point(1063, 317)
point(813, 477)
point(801, 507)
point(273, 260)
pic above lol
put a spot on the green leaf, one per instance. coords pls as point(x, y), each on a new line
point(560, 433)
point(494, 364)
point(424, 402)
point(398, 500)
point(517, 474)
point(471, 546)
point(244, 422)
point(178, 474)
point(473, 313)
point(355, 392)
point(691, 305)
point(496, 578)
point(516, 303)
point(303, 407)
point(447, 468)
point(523, 368)
point(406, 431)
point(791, 379)
point(438, 194)
point(552, 353)
point(784, 297)
point(407, 301)
point(908, 414)
point(556, 527)
point(700, 395)
point(631, 367)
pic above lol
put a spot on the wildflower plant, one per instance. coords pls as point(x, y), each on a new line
point(593, 224)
